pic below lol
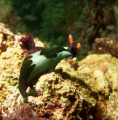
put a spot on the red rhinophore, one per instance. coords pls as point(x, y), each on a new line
point(71, 40)
point(78, 46)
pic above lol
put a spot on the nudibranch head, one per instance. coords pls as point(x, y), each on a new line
point(73, 49)
point(27, 42)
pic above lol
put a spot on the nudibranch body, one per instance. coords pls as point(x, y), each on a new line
point(40, 62)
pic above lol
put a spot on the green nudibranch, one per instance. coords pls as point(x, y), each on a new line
point(40, 62)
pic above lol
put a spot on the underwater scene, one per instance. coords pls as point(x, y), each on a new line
point(59, 60)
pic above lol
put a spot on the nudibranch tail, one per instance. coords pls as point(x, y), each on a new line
point(71, 40)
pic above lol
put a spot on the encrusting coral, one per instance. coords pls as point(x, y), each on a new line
point(107, 45)
point(100, 73)
point(11, 58)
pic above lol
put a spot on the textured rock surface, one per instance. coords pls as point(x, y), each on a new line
point(81, 90)
point(100, 72)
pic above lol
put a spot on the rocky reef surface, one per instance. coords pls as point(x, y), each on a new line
point(82, 90)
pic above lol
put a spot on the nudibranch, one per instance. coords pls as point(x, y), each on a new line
point(28, 44)
point(40, 62)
